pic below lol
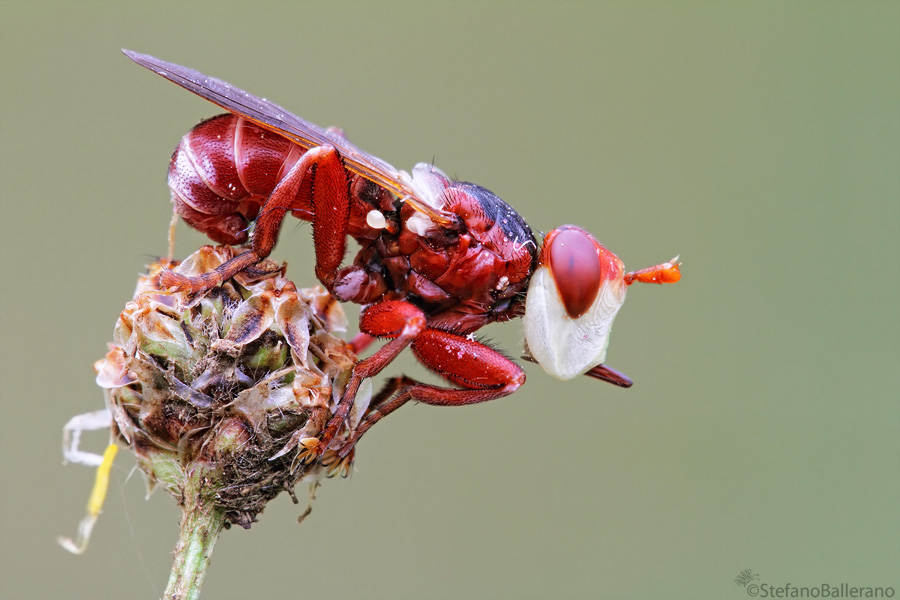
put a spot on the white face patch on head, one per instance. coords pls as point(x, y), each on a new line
point(563, 346)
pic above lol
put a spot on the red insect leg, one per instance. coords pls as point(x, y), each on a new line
point(317, 181)
point(393, 319)
point(481, 372)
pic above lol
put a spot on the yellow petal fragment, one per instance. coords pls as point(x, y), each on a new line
point(101, 482)
point(95, 504)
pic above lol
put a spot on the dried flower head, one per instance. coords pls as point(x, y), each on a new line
point(231, 388)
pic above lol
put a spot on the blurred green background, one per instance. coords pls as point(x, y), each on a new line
point(760, 140)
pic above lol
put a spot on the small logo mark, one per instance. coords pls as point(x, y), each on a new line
point(745, 577)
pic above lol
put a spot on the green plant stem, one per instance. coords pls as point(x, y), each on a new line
point(201, 524)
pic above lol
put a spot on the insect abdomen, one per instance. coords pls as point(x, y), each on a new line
point(221, 173)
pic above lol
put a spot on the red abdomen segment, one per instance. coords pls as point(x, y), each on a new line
point(222, 172)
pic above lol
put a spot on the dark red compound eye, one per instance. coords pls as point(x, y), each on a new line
point(574, 260)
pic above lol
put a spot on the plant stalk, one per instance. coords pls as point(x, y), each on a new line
point(201, 524)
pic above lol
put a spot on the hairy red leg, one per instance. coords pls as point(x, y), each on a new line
point(317, 181)
point(379, 406)
point(482, 373)
point(667, 272)
point(393, 319)
point(340, 461)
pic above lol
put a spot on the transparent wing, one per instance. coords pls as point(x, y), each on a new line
point(269, 115)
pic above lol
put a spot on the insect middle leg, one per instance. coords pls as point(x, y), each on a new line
point(428, 394)
point(481, 372)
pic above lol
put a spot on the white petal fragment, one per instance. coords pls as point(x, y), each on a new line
point(92, 421)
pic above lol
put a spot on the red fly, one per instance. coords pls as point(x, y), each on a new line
point(438, 258)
